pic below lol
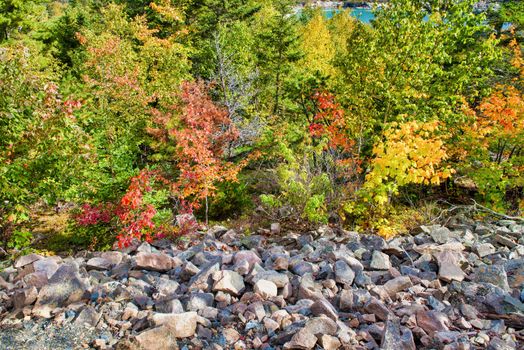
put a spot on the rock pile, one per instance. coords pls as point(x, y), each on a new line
point(454, 287)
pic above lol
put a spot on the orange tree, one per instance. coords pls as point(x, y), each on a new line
point(490, 154)
point(188, 143)
point(192, 138)
point(488, 151)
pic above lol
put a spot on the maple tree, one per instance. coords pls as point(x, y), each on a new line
point(195, 137)
point(490, 152)
point(315, 181)
point(411, 153)
point(137, 215)
point(102, 106)
point(331, 125)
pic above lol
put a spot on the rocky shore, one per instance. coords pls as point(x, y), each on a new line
point(454, 287)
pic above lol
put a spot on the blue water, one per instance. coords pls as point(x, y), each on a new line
point(365, 15)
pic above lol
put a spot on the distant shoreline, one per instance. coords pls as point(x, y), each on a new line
point(342, 4)
point(481, 5)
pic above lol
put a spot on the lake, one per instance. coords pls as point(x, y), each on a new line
point(363, 14)
point(366, 15)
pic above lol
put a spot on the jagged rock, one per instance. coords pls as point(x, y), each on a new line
point(279, 279)
point(203, 280)
point(324, 307)
point(374, 306)
point(66, 286)
point(170, 305)
point(88, 316)
point(308, 289)
point(159, 338)
point(181, 325)
point(396, 285)
point(228, 281)
point(303, 339)
point(515, 273)
point(231, 335)
point(321, 325)
point(266, 289)
point(217, 231)
point(5, 285)
point(247, 255)
point(113, 257)
point(199, 301)
point(392, 339)
point(304, 267)
point(189, 270)
point(197, 290)
point(494, 274)
point(380, 261)
point(346, 300)
point(166, 286)
point(432, 321)
point(343, 273)
point(449, 269)
point(504, 240)
point(153, 262)
point(438, 233)
point(329, 342)
point(98, 264)
point(24, 297)
point(432, 249)
point(26, 260)
point(488, 298)
point(373, 242)
point(45, 265)
point(271, 325)
point(484, 249)
point(281, 263)
point(499, 344)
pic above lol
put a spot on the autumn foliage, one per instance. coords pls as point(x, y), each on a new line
point(193, 136)
point(196, 136)
point(149, 118)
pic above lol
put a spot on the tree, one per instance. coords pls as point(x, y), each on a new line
point(411, 153)
point(507, 12)
point(41, 144)
point(194, 140)
point(415, 64)
point(19, 16)
point(205, 19)
point(277, 48)
point(235, 83)
point(318, 47)
point(128, 72)
point(490, 155)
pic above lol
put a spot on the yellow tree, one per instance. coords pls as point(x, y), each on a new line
point(341, 27)
point(409, 153)
point(318, 47)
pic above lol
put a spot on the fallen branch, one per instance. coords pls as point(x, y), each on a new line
point(476, 207)
point(504, 216)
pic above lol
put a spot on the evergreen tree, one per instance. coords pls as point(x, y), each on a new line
point(278, 47)
point(19, 16)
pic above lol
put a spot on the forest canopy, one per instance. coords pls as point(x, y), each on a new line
point(148, 118)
